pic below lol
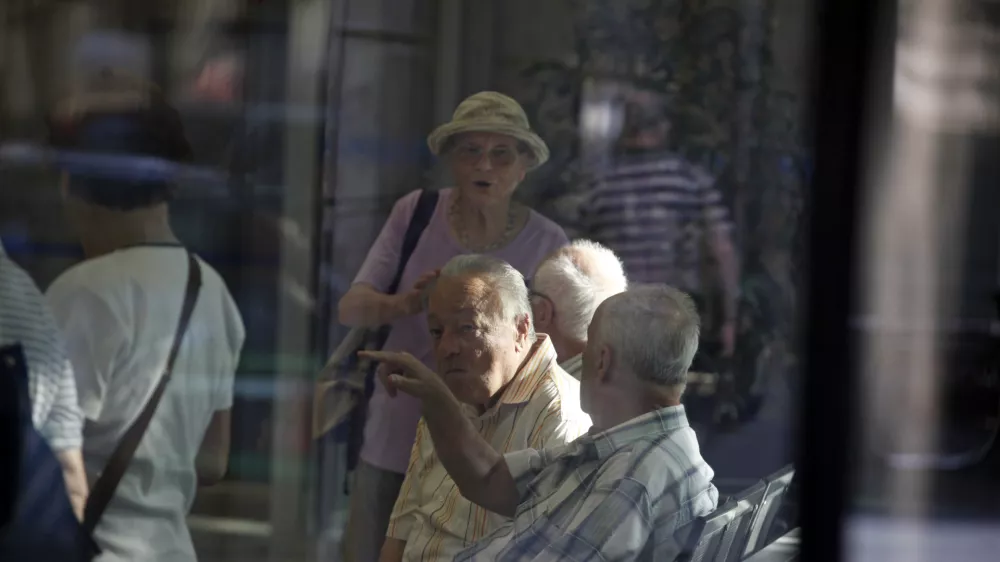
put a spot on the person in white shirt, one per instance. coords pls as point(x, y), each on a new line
point(119, 310)
point(512, 389)
point(25, 318)
point(566, 290)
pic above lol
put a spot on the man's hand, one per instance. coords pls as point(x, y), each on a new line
point(75, 476)
point(478, 470)
point(392, 550)
point(404, 372)
point(412, 302)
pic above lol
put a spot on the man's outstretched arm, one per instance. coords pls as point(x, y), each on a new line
point(480, 472)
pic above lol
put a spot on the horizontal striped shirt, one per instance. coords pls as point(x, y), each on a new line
point(539, 408)
point(620, 494)
point(25, 318)
point(655, 211)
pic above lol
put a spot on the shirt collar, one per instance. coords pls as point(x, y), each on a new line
point(573, 365)
point(658, 422)
point(540, 360)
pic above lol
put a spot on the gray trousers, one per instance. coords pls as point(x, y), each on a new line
point(373, 495)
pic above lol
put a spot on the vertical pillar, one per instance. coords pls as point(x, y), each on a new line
point(380, 83)
point(307, 35)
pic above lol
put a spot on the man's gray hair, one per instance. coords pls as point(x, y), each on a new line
point(511, 291)
point(653, 330)
point(577, 279)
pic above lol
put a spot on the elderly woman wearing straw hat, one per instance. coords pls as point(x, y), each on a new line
point(489, 147)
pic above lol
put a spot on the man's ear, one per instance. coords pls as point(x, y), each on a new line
point(604, 361)
point(544, 314)
point(523, 329)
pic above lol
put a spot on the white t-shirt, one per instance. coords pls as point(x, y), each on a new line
point(119, 313)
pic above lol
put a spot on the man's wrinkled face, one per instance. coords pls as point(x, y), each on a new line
point(474, 345)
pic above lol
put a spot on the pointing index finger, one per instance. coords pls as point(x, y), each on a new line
point(398, 359)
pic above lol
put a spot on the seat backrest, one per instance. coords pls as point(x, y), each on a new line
point(734, 541)
point(776, 485)
point(706, 533)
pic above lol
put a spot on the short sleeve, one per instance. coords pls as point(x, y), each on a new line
point(546, 237)
point(382, 260)
point(403, 513)
point(559, 238)
point(63, 430)
point(29, 320)
point(94, 337)
point(524, 466)
point(235, 337)
point(715, 213)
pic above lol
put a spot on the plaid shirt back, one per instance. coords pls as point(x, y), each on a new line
point(621, 494)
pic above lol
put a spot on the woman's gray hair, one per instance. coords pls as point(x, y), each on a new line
point(511, 291)
point(653, 330)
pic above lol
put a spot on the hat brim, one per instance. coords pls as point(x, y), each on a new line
point(539, 150)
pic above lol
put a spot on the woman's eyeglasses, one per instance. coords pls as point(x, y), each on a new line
point(500, 156)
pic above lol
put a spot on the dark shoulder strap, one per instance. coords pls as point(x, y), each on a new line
point(422, 214)
point(111, 476)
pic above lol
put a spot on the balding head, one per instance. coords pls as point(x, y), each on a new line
point(641, 345)
point(575, 280)
point(653, 330)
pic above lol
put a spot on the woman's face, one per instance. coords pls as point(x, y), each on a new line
point(487, 167)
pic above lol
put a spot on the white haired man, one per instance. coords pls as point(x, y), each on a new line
point(619, 492)
point(508, 388)
point(566, 290)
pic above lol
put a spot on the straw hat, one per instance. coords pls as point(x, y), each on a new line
point(490, 112)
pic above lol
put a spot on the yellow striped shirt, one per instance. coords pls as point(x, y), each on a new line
point(540, 408)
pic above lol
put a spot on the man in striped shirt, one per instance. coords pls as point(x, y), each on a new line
point(25, 318)
point(658, 212)
point(511, 390)
point(620, 492)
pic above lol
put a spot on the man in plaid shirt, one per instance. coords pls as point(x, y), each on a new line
point(622, 491)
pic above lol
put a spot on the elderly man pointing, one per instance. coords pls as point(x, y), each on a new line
point(506, 386)
point(617, 493)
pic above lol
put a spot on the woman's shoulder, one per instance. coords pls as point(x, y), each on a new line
point(406, 204)
point(546, 229)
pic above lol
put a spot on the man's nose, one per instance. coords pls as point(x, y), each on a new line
point(448, 344)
